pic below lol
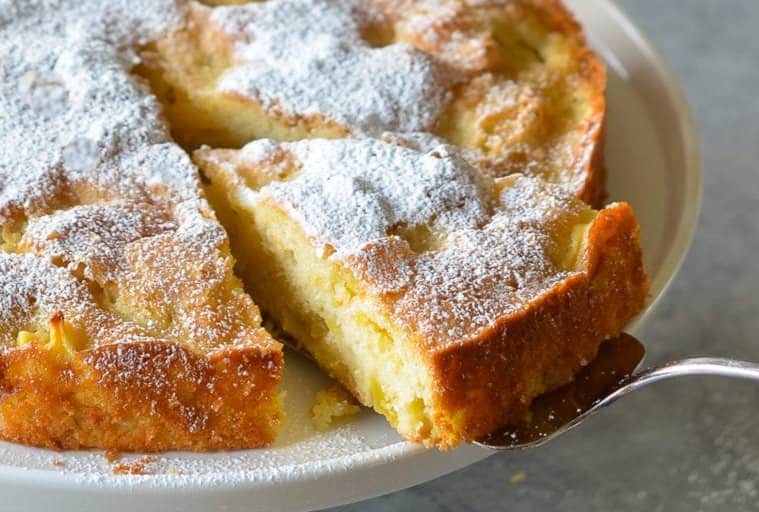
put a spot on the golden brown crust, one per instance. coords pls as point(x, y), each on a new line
point(590, 151)
point(140, 397)
point(486, 382)
point(500, 313)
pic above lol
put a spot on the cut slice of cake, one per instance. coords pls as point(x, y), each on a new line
point(513, 82)
point(444, 298)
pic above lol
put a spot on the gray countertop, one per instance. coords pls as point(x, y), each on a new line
point(689, 445)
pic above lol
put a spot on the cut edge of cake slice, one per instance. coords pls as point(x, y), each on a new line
point(444, 299)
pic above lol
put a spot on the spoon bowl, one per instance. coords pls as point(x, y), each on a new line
point(606, 379)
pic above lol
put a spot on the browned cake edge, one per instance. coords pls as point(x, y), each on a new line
point(590, 153)
point(490, 380)
point(151, 396)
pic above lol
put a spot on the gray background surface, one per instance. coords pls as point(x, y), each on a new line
point(690, 445)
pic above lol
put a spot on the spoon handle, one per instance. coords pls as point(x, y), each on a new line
point(692, 366)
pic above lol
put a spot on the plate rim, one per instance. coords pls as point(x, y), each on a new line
point(694, 185)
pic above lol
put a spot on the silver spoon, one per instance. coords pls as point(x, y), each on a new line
point(609, 377)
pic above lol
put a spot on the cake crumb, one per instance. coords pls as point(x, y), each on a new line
point(519, 477)
point(333, 403)
point(111, 456)
point(58, 463)
point(136, 467)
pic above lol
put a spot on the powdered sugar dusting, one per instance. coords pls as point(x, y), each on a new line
point(424, 229)
point(484, 274)
point(94, 236)
point(350, 192)
point(28, 285)
point(73, 115)
point(93, 181)
point(308, 57)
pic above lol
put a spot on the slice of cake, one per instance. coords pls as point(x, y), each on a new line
point(444, 298)
point(513, 82)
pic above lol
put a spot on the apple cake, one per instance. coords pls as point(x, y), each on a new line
point(400, 184)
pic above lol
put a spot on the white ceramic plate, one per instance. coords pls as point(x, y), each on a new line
point(653, 162)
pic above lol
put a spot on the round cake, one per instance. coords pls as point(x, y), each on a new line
point(401, 186)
